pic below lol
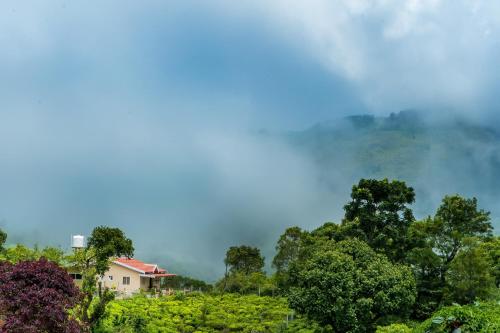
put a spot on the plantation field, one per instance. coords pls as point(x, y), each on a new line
point(199, 313)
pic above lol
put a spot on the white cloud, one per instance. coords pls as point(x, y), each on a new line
point(413, 53)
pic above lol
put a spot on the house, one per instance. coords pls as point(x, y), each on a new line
point(128, 275)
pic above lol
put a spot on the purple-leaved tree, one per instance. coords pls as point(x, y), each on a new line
point(35, 296)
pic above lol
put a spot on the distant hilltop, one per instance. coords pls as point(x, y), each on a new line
point(435, 156)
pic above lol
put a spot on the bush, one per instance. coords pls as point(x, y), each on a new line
point(197, 313)
point(394, 328)
point(36, 296)
point(479, 317)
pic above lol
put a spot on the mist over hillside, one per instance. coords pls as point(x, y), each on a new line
point(436, 157)
point(142, 116)
point(184, 206)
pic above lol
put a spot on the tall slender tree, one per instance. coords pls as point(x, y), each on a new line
point(93, 261)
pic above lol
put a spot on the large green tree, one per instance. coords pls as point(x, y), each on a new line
point(351, 288)
point(469, 276)
point(244, 259)
point(93, 261)
point(457, 219)
point(435, 243)
point(244, 270)
point(107, 243)
point(379, 214)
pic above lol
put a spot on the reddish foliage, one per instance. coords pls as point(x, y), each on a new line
point(35, 297)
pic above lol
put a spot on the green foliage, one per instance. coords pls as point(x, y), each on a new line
point(197, 313)
point(19, 252)
point(94, 261)
point(351, 288)
point(394, 328)
point(436, 242)
point(108, 242)
point(3, 238)
point(254, 283)
point(470, 277)
point(287, 251)
point(245, 273)
point(427, 269)
point(244, 259)
point(480, 317)
point(492, 250)
point(456, 219)
point(380, 211)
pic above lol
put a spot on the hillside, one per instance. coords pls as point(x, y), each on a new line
point(439, 157)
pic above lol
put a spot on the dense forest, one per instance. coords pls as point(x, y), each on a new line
point(378, 270)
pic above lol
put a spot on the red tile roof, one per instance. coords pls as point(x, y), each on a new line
point(140, 266)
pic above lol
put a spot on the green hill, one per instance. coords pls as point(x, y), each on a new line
point(436, 157)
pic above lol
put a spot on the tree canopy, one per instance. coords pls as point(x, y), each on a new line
point(106, 243)
point(351, 288)
point(453, 255)
point(379, 210)
point(244, 259)
point(3, 238)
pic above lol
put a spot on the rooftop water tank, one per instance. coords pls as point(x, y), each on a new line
point(77, 241)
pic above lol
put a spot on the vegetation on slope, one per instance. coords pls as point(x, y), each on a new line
point(196, 313)
point(407, 147)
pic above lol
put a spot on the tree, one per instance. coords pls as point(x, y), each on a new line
point(426, 266)
point(436, 241)
point(54, 254)
point(244, 259)
point(20, 253)
point(35, 297)
point(108, 242)
point(351, 288)
point(103, 244)
point(469, 276)
point(457, 219)
point(379, 209)
point(17, 253)
point(287, 251)
point(492, 250)
point(244, 264)
point(3, 238)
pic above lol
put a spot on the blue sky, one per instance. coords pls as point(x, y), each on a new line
point(140, 114)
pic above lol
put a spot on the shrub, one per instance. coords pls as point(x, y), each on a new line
point(479, 317)
point(394, 328)
point(35, 296)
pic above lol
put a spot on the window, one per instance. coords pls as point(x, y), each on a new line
point(75, 276)
point(126, 280)
point(110, 278)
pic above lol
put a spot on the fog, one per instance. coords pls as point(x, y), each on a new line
point(150, 117)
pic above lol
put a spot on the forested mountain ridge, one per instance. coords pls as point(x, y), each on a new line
point(436, 157)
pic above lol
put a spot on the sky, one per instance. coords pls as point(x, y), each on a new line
point(142, 115)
